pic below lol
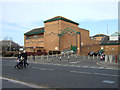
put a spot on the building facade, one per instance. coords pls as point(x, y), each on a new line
point(111, 44)
point(58, 34)
point(98, 37)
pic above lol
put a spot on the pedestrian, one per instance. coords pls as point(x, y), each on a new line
point(24, 55)
point(19, 61)
point(19, 56)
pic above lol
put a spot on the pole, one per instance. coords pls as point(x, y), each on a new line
point(47, 57)
point(41, 57)
point(76, 57)
point(68, 57)
point(116, 58)
point(52, 56)
point(60, 58)
point(34, 54)
point(93, 57)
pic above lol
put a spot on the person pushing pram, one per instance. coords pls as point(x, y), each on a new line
point(22, 60)
point(19, 61)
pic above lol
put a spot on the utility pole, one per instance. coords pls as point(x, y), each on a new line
point(10, 45)
point(107, 29)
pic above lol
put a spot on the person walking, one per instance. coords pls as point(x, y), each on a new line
point(24, 55)
point(19, 56)
point(19, 61)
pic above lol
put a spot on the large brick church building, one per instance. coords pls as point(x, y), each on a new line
point(58, 34)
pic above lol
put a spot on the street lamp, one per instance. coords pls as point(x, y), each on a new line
point(34, 52)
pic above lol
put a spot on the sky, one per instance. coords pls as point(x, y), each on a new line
point(20, 16)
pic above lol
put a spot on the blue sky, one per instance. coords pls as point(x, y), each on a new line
point(16, 18)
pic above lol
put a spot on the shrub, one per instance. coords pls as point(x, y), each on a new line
point(50, 52)
point(7, 54)
point(54, 52)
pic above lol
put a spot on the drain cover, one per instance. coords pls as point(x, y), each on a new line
point(108, 81)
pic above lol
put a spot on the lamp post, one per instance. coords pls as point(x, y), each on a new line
point(34, 52)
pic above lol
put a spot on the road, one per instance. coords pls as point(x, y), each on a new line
point(39, 75)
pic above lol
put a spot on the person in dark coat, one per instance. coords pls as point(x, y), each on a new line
point(19, 61)
point(24, 55)
point(19, 56)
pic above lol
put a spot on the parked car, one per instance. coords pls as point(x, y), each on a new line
point(100, 53)
point(67, 51)
point(37, 53)
point(92, 53)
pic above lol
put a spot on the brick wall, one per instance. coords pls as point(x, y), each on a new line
point(51, 36)
point(51, 39)
point(32, 41)
point(89, 48)
point(111, 49)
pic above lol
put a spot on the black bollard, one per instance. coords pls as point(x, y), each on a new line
point(68, 57)
point(60, 58)
point(76, 56)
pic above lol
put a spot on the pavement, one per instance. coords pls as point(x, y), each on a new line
point(100, 63)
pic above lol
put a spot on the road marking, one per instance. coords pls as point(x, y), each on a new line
point(75, 62)
point(64, 65)
point(106, 74)
point(81, 72)
point(8, 65)
point(101, 67)
point(78, 66)
point(85, 66)
point(93, 67)
point(109, 68)
point(108, 81)
point(31, 85)
point(95, 73)
point(71, 65)
point(43, 68)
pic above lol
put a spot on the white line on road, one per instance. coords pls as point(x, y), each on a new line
point(9, 65)
point(85, 66)
point(81, 72)
point(22, 83)
point(78, 66)
point(101, 67)
point(95, 73)
point(106, 74)
point(43, 68)
point(94, 67)
point(108, 81)
point(75, 62)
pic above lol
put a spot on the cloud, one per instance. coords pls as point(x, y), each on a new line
point(22, 16)
point(32, 12)
point(59, 0)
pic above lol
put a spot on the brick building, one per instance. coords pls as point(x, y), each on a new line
point(98, 37)
point(58, 34)
point(110, 45)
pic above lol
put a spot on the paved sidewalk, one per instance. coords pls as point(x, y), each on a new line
point(104, 64)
